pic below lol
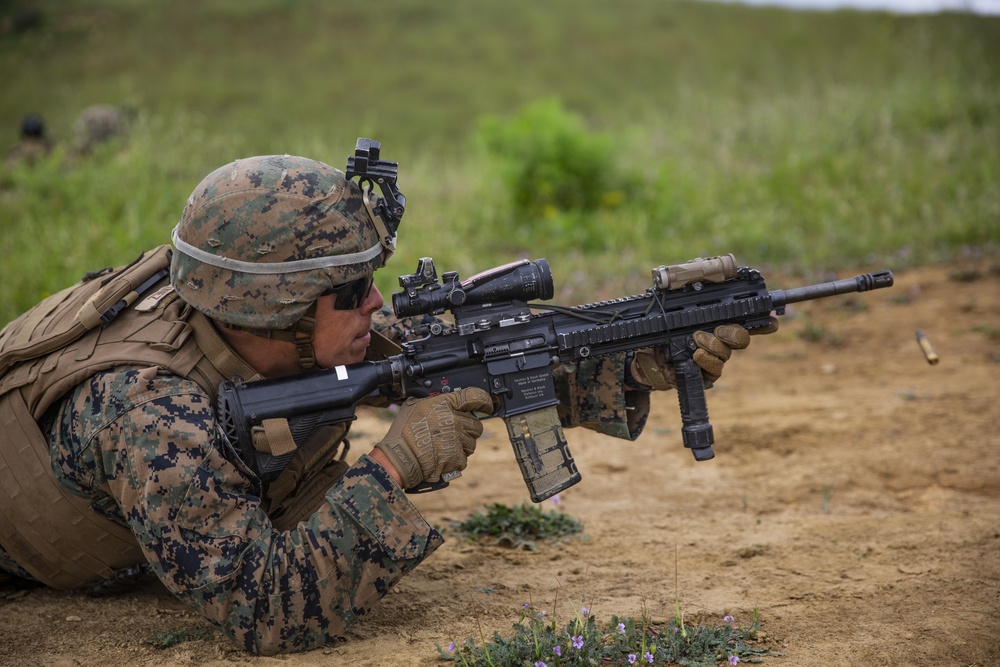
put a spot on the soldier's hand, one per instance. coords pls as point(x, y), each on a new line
point(434, 436)
point(651, 367)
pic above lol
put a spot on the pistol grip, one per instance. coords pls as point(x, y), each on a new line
point(541, 452)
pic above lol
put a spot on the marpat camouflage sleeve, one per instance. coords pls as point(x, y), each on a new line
point(145, 446)
point(592, 394)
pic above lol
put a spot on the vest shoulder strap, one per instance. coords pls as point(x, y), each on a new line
point(64, 317)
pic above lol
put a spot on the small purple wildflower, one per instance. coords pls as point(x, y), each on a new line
point(631, 658)
point(540, 664)
point(557, 650)
point(649, 657)
point(727, 619)
point(543, 613)
point(578, 641)
point(733, 660)
point(584, 611)
point(556, 500)
point(621, 628)
point(451, 647)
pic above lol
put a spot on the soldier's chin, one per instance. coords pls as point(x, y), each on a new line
point(354, 355)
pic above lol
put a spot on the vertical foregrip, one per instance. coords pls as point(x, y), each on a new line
point(696, 429)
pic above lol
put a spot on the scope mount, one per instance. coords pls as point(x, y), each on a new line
point(426, 274)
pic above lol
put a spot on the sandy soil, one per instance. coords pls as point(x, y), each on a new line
point(854, 499)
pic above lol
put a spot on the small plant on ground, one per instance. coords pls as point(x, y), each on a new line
point(991, 332)
point(538, 641)
point(520, 526)
point(817, 333)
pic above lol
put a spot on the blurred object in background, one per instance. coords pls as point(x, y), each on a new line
point(984, 7)
point(18, 21)
point(32, 145)
point(98, 124)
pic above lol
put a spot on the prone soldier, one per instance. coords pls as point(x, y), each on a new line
point(99, 124)
point(111, 455)
point(32, 145)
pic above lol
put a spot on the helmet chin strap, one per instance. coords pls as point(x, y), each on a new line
point(301, 334)
point(304, 331)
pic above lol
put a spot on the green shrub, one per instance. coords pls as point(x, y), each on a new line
point(551, 163)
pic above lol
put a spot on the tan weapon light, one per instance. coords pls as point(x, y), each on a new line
point(711, 270)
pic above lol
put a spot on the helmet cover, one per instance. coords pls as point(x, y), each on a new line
point(262, 238)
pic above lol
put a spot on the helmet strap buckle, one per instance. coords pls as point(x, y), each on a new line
point(303, 332)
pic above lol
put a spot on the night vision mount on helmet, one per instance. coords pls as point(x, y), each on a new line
point(371, 171)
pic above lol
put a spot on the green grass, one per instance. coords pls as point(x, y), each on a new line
point(799, 141)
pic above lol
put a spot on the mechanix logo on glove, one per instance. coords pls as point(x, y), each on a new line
point(434, 436)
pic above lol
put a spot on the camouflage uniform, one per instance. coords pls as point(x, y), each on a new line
point(33, 144)
point(151, 456)
point(99, 124)
point(27, 151)
point(144, 448)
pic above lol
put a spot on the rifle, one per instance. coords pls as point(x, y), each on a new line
point(501, 342)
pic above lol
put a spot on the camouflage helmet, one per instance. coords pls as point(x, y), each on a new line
point(262, 238)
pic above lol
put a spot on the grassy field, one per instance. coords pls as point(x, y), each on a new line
point(798, 141)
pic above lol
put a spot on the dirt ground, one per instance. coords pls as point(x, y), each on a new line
point(854, 500)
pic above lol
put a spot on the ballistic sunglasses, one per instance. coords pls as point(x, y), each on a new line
point(351, 295)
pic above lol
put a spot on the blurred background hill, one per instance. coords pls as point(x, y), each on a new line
point(985, 7)
point(608, 137)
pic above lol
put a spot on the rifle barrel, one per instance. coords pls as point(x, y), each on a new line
point(860, 283)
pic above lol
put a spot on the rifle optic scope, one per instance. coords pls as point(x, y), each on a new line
point(518, 281)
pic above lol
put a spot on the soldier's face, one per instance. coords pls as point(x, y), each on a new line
point(342, 336)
